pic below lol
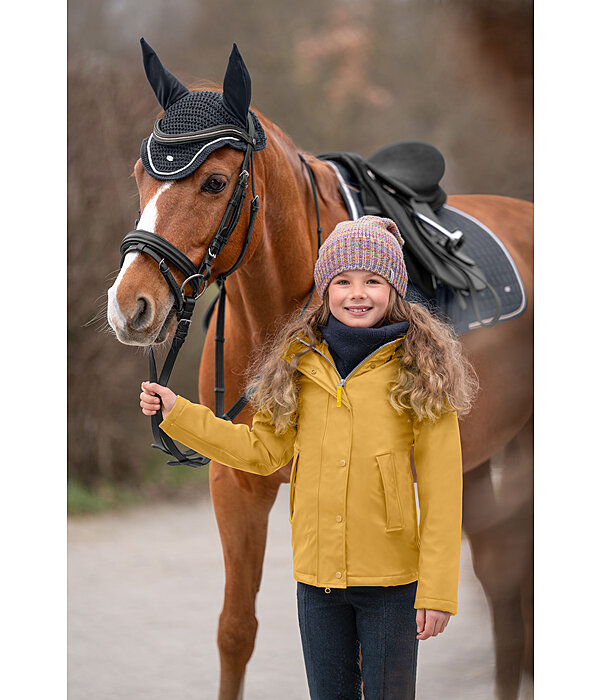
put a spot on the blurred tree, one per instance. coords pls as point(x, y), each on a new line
point(109, 111)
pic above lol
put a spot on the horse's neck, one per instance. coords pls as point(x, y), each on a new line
point(278, 276)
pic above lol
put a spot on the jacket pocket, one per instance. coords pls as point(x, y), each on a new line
point(393, 505)
point(293, 483)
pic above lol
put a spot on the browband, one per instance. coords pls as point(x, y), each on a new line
point(221, 131)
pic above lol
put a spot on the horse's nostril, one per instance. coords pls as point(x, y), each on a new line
point(143, 314)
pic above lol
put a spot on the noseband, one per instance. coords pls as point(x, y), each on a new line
point(197, 278)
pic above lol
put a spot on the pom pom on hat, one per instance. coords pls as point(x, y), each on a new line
point(370, 243)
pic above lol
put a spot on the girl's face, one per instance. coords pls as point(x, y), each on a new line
point(359, 298)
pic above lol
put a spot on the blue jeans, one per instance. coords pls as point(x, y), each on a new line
point(377, 622)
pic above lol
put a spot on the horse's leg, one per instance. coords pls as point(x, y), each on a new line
point(499, 528)
point(241, 503)
point(516, 490)
point(489, 539)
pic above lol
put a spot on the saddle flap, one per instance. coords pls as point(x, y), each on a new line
point(416, 164)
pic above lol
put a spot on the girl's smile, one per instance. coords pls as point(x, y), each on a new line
point(359, 298)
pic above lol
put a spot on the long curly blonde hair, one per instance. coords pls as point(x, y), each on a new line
point(434, 376)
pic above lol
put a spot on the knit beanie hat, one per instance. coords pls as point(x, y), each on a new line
point(369, 243)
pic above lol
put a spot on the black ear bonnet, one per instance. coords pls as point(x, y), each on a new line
point(189, 111)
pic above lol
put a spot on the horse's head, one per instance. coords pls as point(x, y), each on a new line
point(193, 172)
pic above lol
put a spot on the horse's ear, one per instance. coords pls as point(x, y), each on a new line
point(165, 85)
point(237, 88)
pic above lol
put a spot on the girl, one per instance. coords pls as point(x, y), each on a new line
point(347, 392)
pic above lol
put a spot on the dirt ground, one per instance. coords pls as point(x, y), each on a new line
point(145, 588)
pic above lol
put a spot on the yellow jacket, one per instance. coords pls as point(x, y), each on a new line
point(352, 501)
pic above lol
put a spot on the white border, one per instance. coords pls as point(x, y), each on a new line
point(174, 172)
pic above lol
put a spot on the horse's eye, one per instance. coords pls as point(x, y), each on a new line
point(214, 185)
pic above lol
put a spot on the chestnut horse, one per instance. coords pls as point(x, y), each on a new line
point(274, 280)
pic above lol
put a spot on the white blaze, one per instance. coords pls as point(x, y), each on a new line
point(148, 218)
point(147, 222)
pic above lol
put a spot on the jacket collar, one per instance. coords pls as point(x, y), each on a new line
point(302, 342)
point(350, 345)
point(318, 358)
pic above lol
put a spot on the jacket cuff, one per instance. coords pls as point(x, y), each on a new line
point(174, 413)
point(437, 604)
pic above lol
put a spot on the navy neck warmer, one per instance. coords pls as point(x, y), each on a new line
point(350, 345)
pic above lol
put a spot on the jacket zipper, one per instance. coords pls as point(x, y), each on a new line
point(342, 382)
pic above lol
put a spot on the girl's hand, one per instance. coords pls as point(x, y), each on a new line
point(430, 623)
point(151, 397)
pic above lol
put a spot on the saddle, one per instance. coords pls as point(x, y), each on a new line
point(402, 182)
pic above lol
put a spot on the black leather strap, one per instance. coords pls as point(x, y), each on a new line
point(220, 351)
point(223, 131)
point(159, 248)
point(220, 299)
point(162, 441)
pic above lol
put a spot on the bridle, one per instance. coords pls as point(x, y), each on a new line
point(197, 278)
point(162, 251)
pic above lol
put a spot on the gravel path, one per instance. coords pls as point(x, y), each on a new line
point(145, 589)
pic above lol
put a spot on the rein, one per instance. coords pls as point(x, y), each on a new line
point(162, 251)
